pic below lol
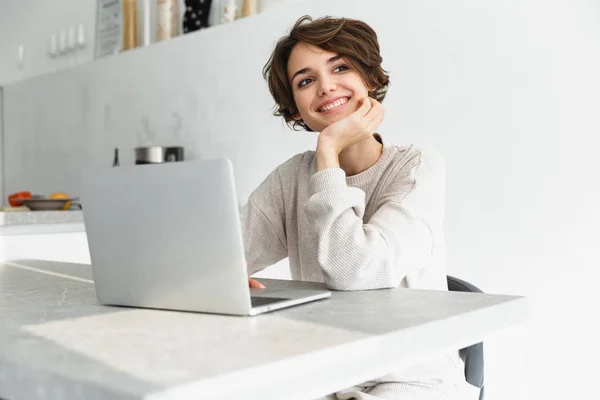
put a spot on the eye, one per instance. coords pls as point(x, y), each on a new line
point(304, 82)
point(341, 68)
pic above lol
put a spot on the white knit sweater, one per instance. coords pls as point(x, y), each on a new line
point(381, 228)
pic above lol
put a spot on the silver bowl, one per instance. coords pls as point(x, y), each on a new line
point(46, 204)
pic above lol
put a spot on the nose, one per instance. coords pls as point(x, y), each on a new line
point(327, 85)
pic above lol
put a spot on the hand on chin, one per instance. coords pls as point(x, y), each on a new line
point(344, 131)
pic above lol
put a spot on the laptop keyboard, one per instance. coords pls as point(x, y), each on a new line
point(263, 301)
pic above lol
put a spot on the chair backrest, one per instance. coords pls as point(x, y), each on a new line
point(472, 355)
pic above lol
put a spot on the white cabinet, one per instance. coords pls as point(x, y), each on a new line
point(66, 247)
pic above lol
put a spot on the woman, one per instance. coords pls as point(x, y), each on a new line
point(357, 213)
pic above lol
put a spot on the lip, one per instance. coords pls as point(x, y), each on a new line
point(332, 101)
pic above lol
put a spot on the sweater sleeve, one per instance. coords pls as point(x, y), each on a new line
point(398, 238)
point(263, 225)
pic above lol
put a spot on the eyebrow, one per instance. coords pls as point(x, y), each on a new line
point(305, 70)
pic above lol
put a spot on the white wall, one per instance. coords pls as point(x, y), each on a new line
point(507, 91)
point(29, 23)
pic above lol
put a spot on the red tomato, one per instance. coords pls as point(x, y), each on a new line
point(15, 199)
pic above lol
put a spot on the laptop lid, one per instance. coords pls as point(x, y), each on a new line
point(166, 236)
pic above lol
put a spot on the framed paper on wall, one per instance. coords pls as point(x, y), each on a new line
point(109, 23)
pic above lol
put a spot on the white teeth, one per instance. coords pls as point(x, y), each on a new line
point(333, 105)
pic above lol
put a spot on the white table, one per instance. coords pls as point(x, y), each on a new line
point(57, 342)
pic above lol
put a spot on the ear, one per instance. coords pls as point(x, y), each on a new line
point(296, 117)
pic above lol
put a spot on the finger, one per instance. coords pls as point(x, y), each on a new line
point(374, 122)
point(376, 106)
point(359, 115)
point(379, 121)
point(374, 117)
point(255, 284)
point(365, 106)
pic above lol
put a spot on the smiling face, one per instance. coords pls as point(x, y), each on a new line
point(325, 86)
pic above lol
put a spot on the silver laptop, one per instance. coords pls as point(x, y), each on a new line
point(168, 236)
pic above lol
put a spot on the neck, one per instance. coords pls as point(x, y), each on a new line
point(360, 156)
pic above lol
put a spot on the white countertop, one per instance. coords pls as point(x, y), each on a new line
point(57, 342)
point(40, 222)
point(40, 217)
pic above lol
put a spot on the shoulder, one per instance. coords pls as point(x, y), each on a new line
point(285, 176)
point(412, 160)
point(416, 176)
point(431, 160)
point(291, 168)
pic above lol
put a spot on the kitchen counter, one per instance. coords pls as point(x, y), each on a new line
point(40, 217)
point(40, 222)
point(57, 342)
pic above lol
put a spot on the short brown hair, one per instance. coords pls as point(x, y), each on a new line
point(352, 39)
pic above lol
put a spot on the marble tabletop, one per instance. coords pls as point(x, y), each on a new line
point(57, 342)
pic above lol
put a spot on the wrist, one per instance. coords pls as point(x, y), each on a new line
point(327, 145)
point(327, 157)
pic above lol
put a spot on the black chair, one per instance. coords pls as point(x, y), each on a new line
point(472, 355)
